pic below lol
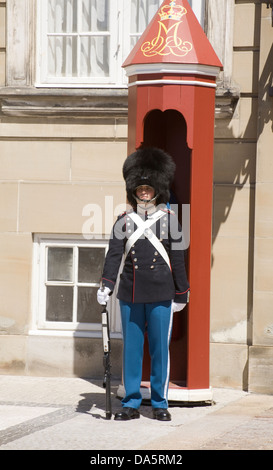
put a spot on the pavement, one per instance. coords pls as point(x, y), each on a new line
point(44, 413)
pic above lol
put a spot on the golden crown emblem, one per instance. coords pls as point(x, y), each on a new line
point(172, 12)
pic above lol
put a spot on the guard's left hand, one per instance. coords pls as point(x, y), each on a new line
point(178, 307)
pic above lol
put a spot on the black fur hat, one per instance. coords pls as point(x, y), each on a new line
point(149, 166)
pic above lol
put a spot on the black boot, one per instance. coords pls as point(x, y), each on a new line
point(162, 414)
point(126, 414)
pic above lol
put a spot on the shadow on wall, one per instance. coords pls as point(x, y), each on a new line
point(266, 93)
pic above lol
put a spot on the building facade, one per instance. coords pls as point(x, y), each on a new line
point(63, 140)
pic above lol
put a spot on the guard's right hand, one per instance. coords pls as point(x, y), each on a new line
point(103, 295)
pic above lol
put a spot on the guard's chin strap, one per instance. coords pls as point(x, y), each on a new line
point(145, 201)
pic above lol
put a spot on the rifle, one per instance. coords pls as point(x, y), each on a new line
point(106, 360)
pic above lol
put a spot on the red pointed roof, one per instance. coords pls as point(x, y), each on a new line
point(173, 36)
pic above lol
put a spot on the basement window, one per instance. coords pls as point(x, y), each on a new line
point(67, 275)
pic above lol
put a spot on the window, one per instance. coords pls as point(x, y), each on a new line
point(85, 42)
point(69, 274)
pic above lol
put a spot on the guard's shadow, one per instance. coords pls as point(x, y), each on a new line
point(90, 403)
point(94, 404)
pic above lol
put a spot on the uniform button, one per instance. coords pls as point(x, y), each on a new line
point(135, 260)
point(133, 252)
point(129, 231)
point(156, 253)
point(162, 233)
point(136, 266)
point(154, 260)
point(152, 267)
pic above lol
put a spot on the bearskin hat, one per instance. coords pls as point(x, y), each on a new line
point(149, 166)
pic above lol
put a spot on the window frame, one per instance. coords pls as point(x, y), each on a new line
point(42, 80)
point(39, 323)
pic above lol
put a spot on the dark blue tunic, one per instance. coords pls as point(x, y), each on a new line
point(146, 277)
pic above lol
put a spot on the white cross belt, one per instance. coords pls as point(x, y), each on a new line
point(143, 228)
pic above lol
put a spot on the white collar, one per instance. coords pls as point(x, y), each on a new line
point(148, 210)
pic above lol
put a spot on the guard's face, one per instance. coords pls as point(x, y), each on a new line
point(145, 193)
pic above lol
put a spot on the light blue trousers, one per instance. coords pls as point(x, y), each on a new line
point(157, 319)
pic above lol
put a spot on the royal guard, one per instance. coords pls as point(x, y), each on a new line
point(153, 283)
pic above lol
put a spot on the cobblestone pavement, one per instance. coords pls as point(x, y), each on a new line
point(69, 414)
